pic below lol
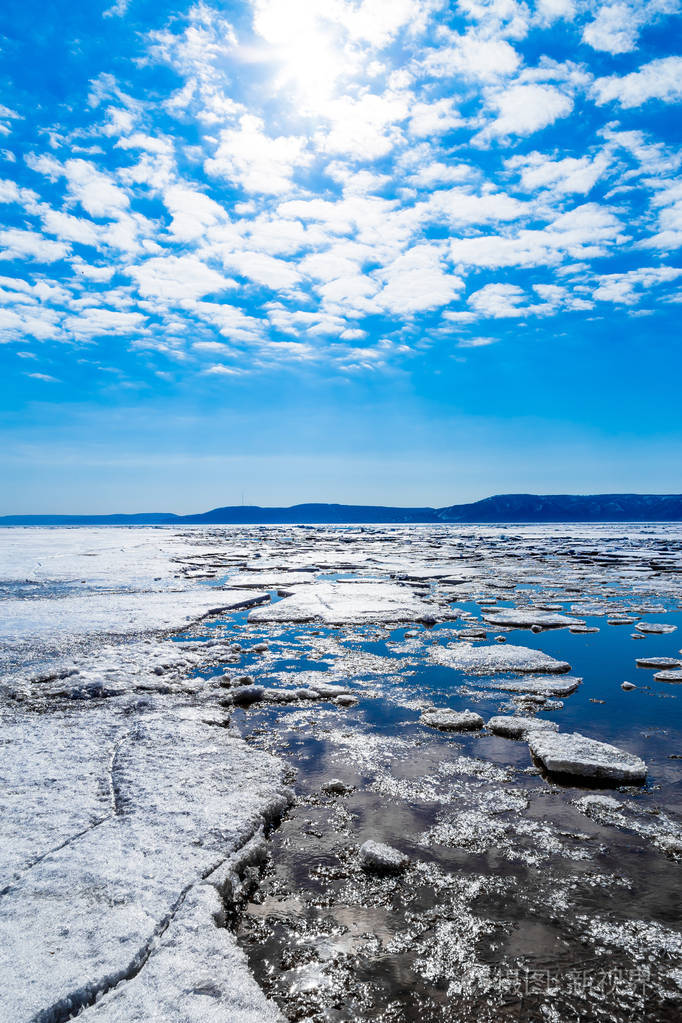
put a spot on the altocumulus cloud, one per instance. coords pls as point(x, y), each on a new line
point(343, 183)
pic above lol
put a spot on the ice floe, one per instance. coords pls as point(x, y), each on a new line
point(519, 727)
point(576, 755)
point(377, 857)
point(525, 618)
point(451, 720)
point(673, 675)
point(348, 602)
point(658, 662)
point(655, 628)
point(492, 659)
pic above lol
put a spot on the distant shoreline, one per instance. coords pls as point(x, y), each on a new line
point(505, 509)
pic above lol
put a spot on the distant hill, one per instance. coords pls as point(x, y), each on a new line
point(568, 508)
point(503, 508)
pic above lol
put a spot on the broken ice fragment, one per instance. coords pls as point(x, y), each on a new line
point(519, 727)
point(577, 755)
point(658, 662)
point(655, 628)
point(451, 720)
point(376, 857)
point(485, 659)
point(526, 618)
point(674, 675)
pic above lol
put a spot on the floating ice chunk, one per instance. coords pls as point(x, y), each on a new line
point(583, 629)
point(340, 603)
point(525, 618)
point(658, 662)
point(289, 695)
point(327, 689)
point(674, 675)
point(598, 804)
point(575, 754)
point(538, 687)
point(376, 857)
point(345, 700)
point(487, 659)
point(518, 727)
point(244, 696)
point(620, 620)
point(655, 628)
point(627, 686)
point(451, 720)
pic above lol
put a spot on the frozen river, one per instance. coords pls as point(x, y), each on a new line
point(201, 728)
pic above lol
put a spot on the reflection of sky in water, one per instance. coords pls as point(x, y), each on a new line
point(647, 720)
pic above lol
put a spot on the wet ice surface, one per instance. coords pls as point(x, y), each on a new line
point(138, 784)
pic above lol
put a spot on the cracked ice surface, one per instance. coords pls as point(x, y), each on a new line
point(340, 603)
point(128, 817)
point(168, 802)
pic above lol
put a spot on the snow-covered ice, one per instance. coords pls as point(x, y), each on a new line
point(671, 675)
point(492, 659)
point(381, 858)
point(524, 618)
point(575, 754)
point(111, 850)
point(519, 727)
point(451, 720)
point(346, 602)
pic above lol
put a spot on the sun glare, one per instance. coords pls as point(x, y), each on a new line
point(307, 49)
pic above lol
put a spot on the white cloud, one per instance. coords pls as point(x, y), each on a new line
point(504, 301)
point(436, 118)
point(499, 17)
point(94, 190)
point(117, 9)
point(473, 56)
point(524, 109)
point(569, 175)
point(11, 193)
point(262, 269)
point(150, 143)
point(18, 244)
point(462, 207)
point(223, 371)
point(476, 342)
point(617, 26)
point(660, 79)
point(416, 281)
point(230, 321)
point(99, 322)
point(177, 277)
point(192, 212)
point(586, 231)
point(69, 228)
point(367, 128)
point(627, 288)
point(247, 156)
point(615, 29)
point(549, 11)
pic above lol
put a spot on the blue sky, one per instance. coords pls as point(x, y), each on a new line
point(407, 253)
